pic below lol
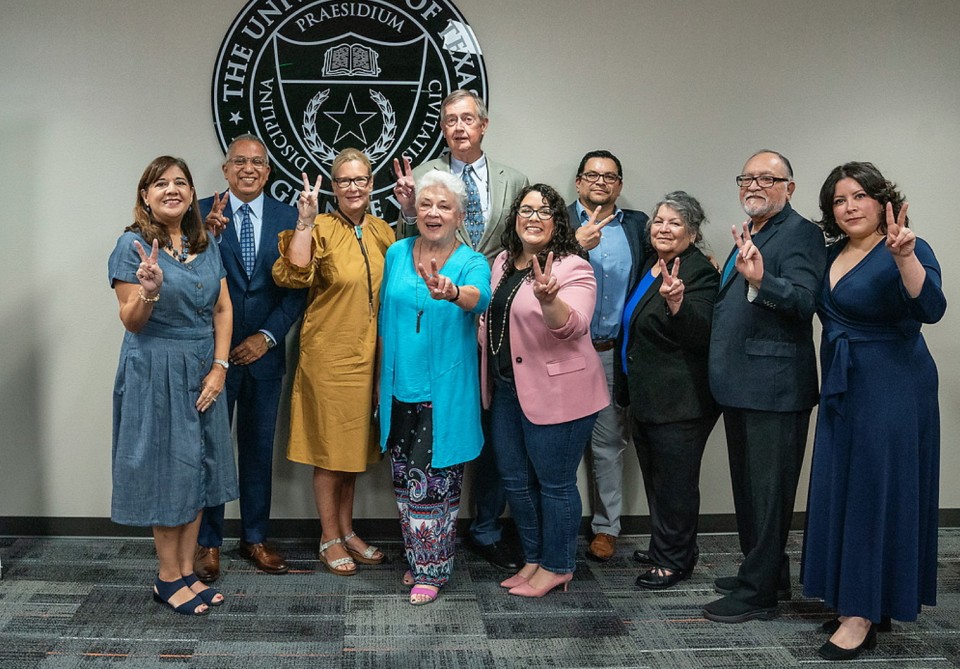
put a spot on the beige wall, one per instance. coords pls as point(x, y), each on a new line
point(682, 91)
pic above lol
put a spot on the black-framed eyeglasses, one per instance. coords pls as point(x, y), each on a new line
point(258, 162)
point(344, 182)
point(608, 177)
point(543, 213)
point(764, 180)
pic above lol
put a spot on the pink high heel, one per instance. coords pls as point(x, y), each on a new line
point(527, 590)
point(514, 581)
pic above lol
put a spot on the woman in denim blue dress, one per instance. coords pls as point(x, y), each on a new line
point(172, 454)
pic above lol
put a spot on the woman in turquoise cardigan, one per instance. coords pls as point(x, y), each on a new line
point(433, 286)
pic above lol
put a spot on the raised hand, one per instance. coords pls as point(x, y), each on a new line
point(149, 273)
point(749, 261)
point(901, 241)
point(440, 287)
point(309, 203)
point(589, 234)
point(405, 189)
point(672, 287)
point(216, 222)
point(545, 285)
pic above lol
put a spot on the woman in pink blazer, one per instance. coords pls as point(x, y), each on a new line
point(542, 381)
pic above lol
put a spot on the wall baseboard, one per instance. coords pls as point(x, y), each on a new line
point(284, 528)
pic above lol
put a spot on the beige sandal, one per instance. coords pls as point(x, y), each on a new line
point(364, 557)
point(334, 566)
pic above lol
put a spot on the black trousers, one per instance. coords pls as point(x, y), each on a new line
point(670, 456)
point(765, 450)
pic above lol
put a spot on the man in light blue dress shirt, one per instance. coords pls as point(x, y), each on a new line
point(613, 237)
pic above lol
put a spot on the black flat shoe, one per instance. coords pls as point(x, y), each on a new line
point(497, 554)
point(833, 652)
point(651, 580)
point(642, 556)
point(831, 626)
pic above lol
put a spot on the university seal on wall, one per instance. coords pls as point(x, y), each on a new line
point(313, 77)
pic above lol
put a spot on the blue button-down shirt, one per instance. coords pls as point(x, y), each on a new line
point(611, 261)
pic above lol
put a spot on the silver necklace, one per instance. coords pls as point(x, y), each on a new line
point(506, 312)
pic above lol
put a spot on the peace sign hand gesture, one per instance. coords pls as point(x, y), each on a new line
point(149, 273)
point(405, 189)
point(589, 234)
point(216, 222)
point(672, 287)
point(545, 285)
point(309, 203)
point(441, 287)
point(901, 241)
point(749, 261)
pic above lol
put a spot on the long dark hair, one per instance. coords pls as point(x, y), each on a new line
point(872, 182)
point(148, 227)
point(563, 243)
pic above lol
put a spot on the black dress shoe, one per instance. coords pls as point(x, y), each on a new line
point(642, 556)
point(498, 554)
point(727, 584)
point(652, 580)
point(831, 626)
point(730, 610)
point(833, 652)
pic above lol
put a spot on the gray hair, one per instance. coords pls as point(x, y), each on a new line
point(247, 137)
point(462, 94)
point(443, 179)
point(691, 213)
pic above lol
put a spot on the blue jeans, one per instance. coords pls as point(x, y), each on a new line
point(538, 464)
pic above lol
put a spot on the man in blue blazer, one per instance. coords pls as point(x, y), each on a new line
point(763, 374)
point(247, 223)
point(613, 238)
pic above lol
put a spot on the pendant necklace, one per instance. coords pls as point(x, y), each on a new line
point(358, 233)
point(421, 306)
point(506, 310)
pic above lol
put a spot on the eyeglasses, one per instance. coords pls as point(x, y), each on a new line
point(764, 180)
point(467, 119)
point(608, 177)
point(345, 182)
point(543, 213)
point(257, 162)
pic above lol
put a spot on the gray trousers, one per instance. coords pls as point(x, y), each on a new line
point(611, 435)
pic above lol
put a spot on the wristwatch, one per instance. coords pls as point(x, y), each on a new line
point(270, 342)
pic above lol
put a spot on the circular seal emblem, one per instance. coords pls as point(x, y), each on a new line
point(311, 78)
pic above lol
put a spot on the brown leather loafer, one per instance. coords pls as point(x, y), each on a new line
point(206, 564)
point(265, 557)
point(602, 547)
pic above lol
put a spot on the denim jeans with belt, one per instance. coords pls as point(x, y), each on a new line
point(538, 464)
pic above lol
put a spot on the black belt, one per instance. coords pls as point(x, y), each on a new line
point(601, 345)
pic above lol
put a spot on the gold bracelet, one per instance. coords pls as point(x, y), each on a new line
point(305, 226)
point(147, 300)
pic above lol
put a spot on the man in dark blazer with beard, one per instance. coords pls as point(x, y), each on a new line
point(763, 374)
point(246, 223)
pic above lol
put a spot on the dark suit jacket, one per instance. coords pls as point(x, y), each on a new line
point(761, 353)
point(258, 303)
point(667, 378)
point(634, 227)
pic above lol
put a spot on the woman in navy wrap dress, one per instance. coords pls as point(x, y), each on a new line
point(870, 549)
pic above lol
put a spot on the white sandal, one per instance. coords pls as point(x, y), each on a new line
point(334, 566)
point(366, 556)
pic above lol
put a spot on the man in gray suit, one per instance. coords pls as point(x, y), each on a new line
point(491, 189)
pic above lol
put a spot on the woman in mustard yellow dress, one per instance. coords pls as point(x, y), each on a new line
point(339, 257)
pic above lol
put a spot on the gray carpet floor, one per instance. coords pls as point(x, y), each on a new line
point(85, 602)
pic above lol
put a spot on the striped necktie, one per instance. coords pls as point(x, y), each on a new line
point(474, 217)
point(248, 250)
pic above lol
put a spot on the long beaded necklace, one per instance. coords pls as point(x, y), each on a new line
point(184, 249)
point(506, 310)
point(416, 295)
point(358, 233)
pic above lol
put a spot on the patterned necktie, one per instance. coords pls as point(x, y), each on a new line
point(474, 217)
point(248, 249)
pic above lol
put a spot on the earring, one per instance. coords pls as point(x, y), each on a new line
point(190, 208)
point(147, 207)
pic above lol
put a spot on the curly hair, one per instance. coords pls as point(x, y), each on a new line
point(690, 210)
point(873, 183)
point(563, 243)
point(148, 227)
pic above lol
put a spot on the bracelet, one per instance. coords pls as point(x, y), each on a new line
point(145, 299)
point(457, 296)
point(305, 226)
point(222, 363)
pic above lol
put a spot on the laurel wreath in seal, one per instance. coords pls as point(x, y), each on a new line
point(325, 152)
